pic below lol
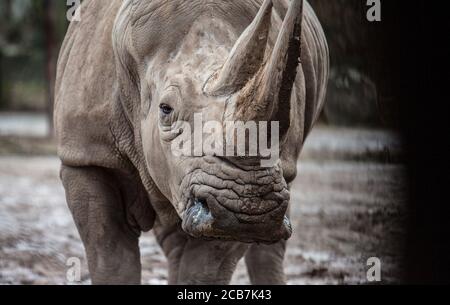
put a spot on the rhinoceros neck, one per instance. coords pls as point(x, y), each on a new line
point(128, 144)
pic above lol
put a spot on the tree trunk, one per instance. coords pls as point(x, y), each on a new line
point(2, 97)
point(5, 16)
point(50, 52)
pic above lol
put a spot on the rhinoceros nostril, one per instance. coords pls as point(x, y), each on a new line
point(197, 220)
point(201, 203)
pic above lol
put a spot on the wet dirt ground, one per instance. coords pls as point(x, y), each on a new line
point(348, 204)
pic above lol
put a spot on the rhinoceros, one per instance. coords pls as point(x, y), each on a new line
point(126, 72)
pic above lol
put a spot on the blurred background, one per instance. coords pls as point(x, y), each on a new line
point(348, 203)
point(31, 32)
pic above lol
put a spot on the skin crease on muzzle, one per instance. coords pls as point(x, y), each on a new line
point(226, 202)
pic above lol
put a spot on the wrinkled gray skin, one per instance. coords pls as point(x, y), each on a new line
point(118, 65)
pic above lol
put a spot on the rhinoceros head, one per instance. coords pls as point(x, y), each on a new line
point(184, 62)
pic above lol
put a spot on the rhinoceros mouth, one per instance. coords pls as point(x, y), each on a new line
point(199, 222)
point(239, 210)
point(224, 200)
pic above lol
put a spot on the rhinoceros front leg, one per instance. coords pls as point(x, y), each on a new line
point(209, 262)
point(172, 240)
point(265, 263)
point(111, 246)
point(195, 261)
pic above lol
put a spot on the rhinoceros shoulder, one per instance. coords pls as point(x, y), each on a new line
point(85, 89)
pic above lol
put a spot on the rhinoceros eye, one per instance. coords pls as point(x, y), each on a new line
point(165, 109)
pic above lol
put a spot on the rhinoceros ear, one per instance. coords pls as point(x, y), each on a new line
point(126, 64)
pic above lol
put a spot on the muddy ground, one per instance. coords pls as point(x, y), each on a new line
point(348, 204)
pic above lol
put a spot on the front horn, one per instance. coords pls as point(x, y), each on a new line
point(263, 89)
point(245, 58)
point(267, 96)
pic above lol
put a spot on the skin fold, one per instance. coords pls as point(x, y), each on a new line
point(125, 59)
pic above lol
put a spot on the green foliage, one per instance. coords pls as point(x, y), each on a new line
point(23, 45)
